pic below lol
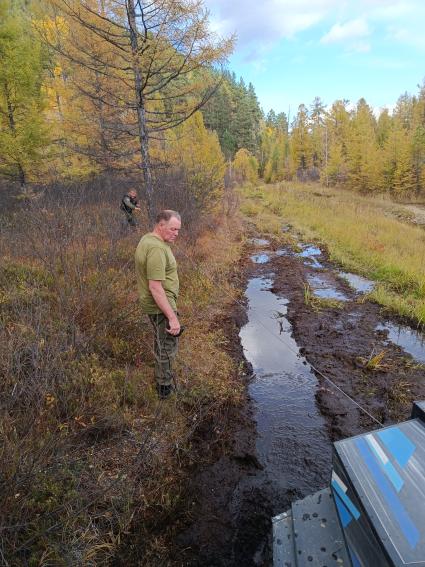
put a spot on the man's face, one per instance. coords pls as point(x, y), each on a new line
point(169, 230)
point(132, 193)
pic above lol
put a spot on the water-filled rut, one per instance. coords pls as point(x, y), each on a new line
point(292, 444)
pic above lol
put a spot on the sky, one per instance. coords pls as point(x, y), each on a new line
point(295, 50)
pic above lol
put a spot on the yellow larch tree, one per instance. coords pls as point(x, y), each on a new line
point(245, 167)
point(196, 152)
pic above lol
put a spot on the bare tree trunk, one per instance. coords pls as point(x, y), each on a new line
point(141, 114)
point(21, 172)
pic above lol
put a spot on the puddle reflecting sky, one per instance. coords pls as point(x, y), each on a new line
point(309, 250)
point(283, 252)
point(408, 339)
point(292, 444)
point(262, 258)
point(323, 288)
point(359, 283)
point(312, 262)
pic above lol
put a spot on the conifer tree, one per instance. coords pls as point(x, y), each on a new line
point(404, 110)
point(317, 119)
point(271, 119)
point(245, 167)
point(282, 122)
point(247, 118)
point(418, 140)
point(23, 130)
point(234, 113)
point(301, 143)
point(398, 166)
point(197, 151)
point(218, 116)
point(266, 145)
point(363, 171)
point(337, 123)
point(277, 163)
point(335, 171)
point(383, 127)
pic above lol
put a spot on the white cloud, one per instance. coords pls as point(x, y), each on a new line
point(361, 47)
point(385, 63)
point(349, 31)
point(269, 20)
point(412, 37)
point(387, 10)
point(352, 23)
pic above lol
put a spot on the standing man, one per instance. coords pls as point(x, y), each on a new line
point(129, 204)
point(158, 285)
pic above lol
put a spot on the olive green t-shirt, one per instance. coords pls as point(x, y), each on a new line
point(155, 261)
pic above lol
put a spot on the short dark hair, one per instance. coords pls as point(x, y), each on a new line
point(166, 215)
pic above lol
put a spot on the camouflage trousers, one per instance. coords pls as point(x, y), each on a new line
point(131, 221)
point(165, 349)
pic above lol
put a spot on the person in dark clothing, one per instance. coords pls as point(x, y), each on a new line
point(129, 204)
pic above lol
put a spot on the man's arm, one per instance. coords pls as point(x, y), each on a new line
point(128, 203)
point(158, 293)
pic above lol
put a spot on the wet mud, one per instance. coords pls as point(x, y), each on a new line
point(300, 356)
point(376, 361)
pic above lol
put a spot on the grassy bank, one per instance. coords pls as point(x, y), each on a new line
point(361, 234)
point(89, 457)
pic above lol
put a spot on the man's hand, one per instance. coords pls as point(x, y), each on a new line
point(173, 326)
point(158, 293)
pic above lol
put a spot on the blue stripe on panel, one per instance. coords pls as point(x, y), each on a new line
point(349, 505)
point(385, 463)
point(398, 444)
point(354, 559)
point(401, 516)
point(394, 477)
point(343, 513)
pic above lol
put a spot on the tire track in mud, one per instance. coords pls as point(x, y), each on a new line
point(338, 341)
point(281, 448)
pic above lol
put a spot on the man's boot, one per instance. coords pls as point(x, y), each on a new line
point(164, 391)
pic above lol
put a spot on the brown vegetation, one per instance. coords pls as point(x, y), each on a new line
point(88, 454)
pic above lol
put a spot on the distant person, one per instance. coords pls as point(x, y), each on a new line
point(129, 204)
point(158, 286)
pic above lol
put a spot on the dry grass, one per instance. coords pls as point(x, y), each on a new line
point(360, 233)
point(319, 303)
point(400, 394)
point(375, 361)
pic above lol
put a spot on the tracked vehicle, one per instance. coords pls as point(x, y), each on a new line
point(372, 514)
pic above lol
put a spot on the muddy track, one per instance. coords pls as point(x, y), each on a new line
point(235, 497)
point(338, 341)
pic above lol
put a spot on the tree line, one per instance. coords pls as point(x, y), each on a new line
point(104, 86)
point(342, 145)
point(346, 146)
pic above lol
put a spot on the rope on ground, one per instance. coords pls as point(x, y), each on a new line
point(289, 347)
